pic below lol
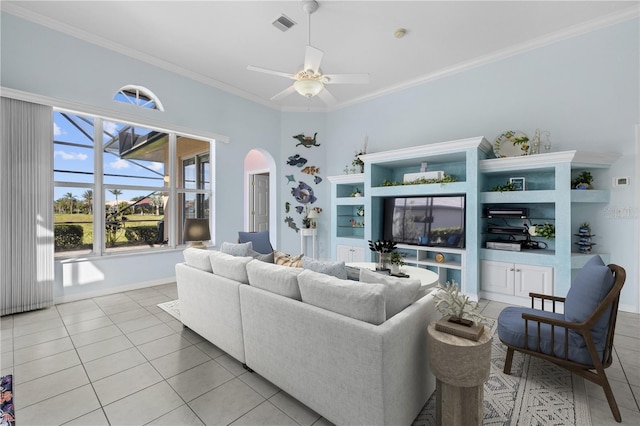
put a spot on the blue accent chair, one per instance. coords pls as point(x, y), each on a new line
point(581, 338)
point(259, 241)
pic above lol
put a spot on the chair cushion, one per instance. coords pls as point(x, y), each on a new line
point(277, 279)
point(591, 284)
point(335, 269)
point(398, 292)
point(260, 241)
point(236, 249)
point(364, 302)
point(198, 258)
point(512, 332)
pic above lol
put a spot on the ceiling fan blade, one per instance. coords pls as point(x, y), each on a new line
point(312, 59)
point(286, 92)
point(268, 71)
point(327, 97)
point(346, 78)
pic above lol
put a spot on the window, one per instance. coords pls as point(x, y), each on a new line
point(139, 96)
point(129, 203)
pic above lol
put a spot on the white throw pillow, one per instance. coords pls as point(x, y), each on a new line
point(278, 279)
point(228, 266)
point(364, 302)
point(198, 258)
point(336, 269)
point(241, 249)
point(399, 292)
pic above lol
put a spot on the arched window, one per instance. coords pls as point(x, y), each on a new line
point(140, 96)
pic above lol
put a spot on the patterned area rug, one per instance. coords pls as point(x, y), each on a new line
point(6, 397)
point(535, 393)
point(172, 308)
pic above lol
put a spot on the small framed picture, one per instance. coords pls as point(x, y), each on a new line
point(518, 183)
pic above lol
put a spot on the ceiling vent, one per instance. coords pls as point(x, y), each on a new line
point(283, 23)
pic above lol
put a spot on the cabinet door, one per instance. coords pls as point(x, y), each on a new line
point(357, 254)
point(530, 278)
point(343, 253)
point(497, 276)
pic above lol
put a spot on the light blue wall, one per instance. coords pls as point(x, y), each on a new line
point(583, 90)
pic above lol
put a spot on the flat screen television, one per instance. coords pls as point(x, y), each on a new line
point(436, 220)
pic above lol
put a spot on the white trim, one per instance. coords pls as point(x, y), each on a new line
point(144, 91)
point(636, 182)
point(107, 114)
point(575, 30)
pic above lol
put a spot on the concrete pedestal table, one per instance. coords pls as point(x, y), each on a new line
point(461, 367)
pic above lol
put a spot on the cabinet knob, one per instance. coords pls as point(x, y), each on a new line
point(511, 269)
point(517, 270)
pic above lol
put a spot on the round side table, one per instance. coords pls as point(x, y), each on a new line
point(461, 367)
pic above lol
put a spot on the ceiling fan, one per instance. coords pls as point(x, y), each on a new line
point(310, 81)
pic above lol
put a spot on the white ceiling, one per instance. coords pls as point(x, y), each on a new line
point(214, 41)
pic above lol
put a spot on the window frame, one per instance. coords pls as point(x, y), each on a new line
point(98, 186)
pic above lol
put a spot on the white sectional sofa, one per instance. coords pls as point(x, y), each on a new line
point(330, 343)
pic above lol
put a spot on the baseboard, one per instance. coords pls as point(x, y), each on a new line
point(113, 290)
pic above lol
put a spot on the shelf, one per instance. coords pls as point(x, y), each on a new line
point(409, 190)
point(544, 196)
point(351, 201)
point(590, 196)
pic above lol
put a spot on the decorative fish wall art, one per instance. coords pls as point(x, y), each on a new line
point(296, 160)
point(306, 141)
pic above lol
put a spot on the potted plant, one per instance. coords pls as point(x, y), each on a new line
point(584, 229)
point(546, 230)
point(582, 181)
point(356, 192)
point(383, 251)
point(456, 307)
point(397, 261)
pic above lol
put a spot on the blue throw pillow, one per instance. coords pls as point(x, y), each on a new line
point(260, 241)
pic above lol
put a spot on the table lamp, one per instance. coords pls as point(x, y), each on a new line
point(312, 216)
point(196, 231)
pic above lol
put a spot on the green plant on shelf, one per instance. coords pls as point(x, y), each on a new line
point(509, 186)
point(356, 193)
point(420, 181)
point(546, 230)
point(582, 181)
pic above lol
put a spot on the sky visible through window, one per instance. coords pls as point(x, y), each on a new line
point(74, 158)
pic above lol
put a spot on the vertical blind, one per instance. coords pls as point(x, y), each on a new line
point(26, 207)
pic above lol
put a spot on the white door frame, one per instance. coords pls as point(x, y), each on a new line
point(249, 191)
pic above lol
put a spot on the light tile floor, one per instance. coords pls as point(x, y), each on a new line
point(119, 359)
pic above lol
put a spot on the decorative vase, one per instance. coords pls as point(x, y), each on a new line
point(382, 261)
point(395, 268)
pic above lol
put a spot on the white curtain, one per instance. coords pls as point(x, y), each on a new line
point(26, 207)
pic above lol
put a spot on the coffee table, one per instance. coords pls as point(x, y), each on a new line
point(428, 279)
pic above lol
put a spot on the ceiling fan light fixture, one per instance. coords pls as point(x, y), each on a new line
point(308, 87)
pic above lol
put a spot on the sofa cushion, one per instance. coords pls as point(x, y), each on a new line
point(398, 292)
point(287, 260)
point(364, 302)
point(592, 283)
point(335, 269)
point(260, 241)
point(278, 279)
point(228, 266)
point(268, 257)
point(236, 249)
point(198, 258)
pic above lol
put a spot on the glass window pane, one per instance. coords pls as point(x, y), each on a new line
point(72, 147)
point(134, 155)
point(134, 219)
point(73, 220)
point(194, 163)
point(193, 205)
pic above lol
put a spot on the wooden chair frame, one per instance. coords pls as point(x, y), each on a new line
point(598, 376)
